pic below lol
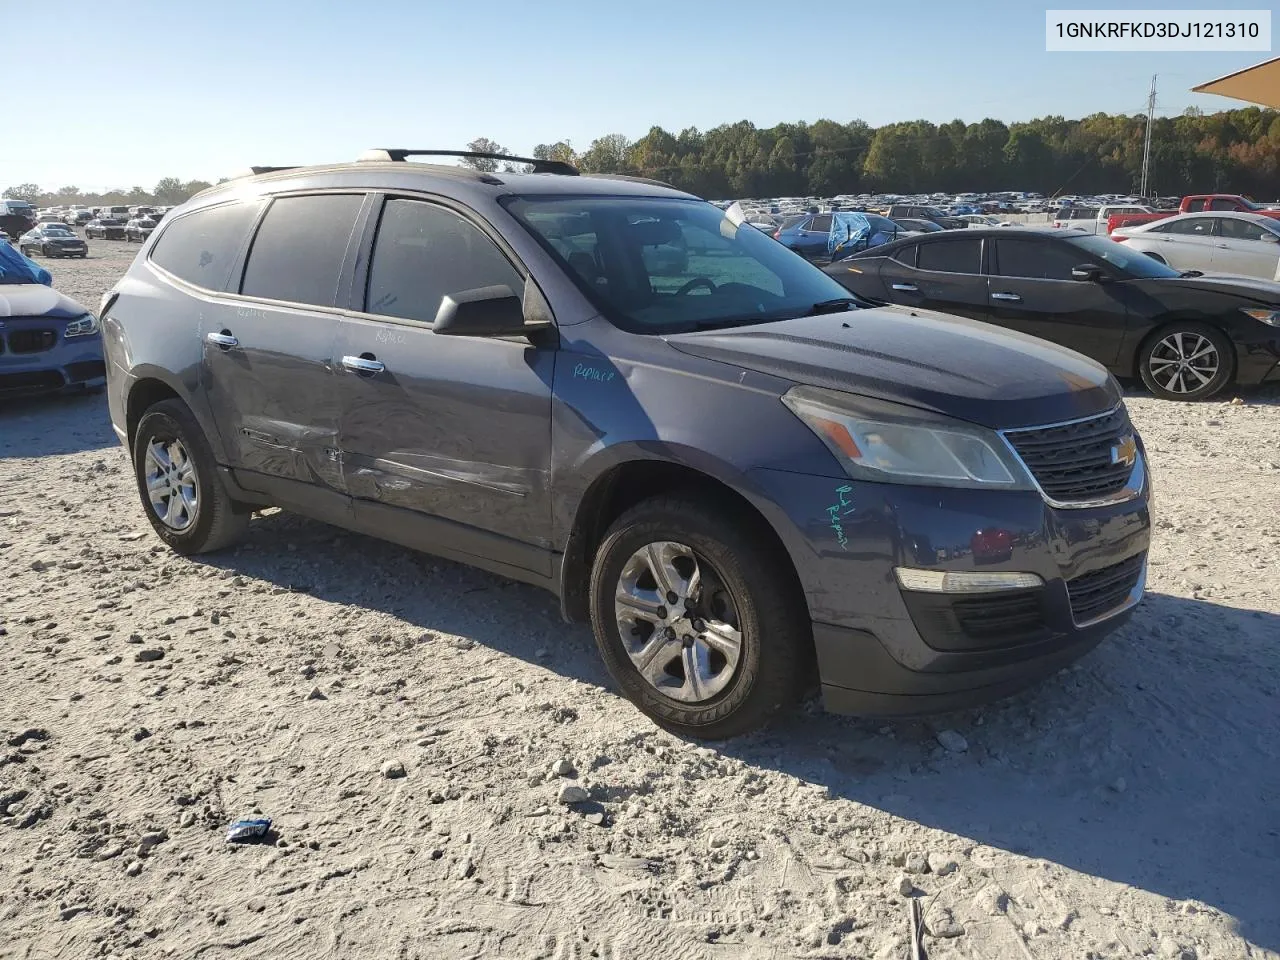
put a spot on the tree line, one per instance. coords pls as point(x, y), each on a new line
point(167, 193)
point(1235, 151)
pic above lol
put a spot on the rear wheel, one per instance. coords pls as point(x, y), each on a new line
point(1186, 361)
point(178, 481)
point(698, 619)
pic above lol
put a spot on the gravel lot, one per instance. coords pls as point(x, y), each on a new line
point(410, 724)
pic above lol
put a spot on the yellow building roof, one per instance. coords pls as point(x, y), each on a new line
point(1258, 84)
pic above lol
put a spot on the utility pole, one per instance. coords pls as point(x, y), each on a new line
point(1146, 147)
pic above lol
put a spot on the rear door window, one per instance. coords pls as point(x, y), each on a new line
point(201, 247)
point(298, 252)
point(951, 256)
point(1192, 226)
point(424, 252)
point(1223, 204)
point(821, 223)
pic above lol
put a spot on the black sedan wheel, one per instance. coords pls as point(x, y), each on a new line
point(1186, 361)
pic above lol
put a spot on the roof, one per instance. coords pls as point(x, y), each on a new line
point(1258, 84)
point(412, 175)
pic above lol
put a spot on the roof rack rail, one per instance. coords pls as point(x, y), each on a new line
point(255, 171)
point(624, 176)
point(399, 155)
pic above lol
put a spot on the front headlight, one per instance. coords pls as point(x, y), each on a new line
point(81, 326)
point(1266, 316)
point(890, 443)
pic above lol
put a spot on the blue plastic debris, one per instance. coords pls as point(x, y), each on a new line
point(243, 830)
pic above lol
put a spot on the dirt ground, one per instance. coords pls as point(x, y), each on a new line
point(1128, 806)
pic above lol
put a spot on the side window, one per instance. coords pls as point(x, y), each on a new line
point(951, 256)
point(1222, 204)
point(1020, 258)
point(1192, 226)
point(298, 251)
point(1194, 206)
point(906, 255)
point(821, 223)
point(201, 246)
point(1234, 229)
point(424, 252)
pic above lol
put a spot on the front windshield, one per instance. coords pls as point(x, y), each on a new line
point(665, 265)
point(55, 231)
point(1127, 261)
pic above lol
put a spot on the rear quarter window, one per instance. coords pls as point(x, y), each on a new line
point(201, 247)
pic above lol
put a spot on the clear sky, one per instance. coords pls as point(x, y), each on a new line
point(113, 94)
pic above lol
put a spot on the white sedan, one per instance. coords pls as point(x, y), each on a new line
point(1246, 244)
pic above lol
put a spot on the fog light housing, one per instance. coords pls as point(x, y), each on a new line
point(963, 581)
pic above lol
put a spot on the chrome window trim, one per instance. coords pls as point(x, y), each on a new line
point(1131, 490)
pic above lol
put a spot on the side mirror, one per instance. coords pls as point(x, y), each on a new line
point(1087, 273)
point(1268, 237)
point(485, 312)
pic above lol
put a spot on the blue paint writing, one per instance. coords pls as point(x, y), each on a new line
point(592, 373)
point(841, 508)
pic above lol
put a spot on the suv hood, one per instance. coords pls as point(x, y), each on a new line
point(36, 300)
point(950, 365)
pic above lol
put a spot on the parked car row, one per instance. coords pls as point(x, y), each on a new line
point(1245, 244)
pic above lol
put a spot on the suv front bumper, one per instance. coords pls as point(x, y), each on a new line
point(882, 650)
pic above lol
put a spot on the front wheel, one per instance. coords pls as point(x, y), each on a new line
point(699, 620)
point(178, 481)
point(1186, 361)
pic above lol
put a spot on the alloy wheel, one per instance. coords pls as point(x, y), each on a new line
point(171, 483)
point(1184, 362)
point(678, 623)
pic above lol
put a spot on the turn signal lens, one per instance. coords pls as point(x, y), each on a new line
point(962, 581)
point(1271, 317)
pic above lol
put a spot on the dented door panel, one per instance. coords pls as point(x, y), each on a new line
point(272, 392)
point(454, 427)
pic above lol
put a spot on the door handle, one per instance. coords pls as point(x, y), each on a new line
point(1011, 297)
point(908, 287)
point(1222, 246)
point(223, 339)
point(365, 364)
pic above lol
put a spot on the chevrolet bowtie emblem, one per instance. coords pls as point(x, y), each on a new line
point(1126, 452)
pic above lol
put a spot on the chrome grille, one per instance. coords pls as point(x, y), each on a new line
point(1073, 461)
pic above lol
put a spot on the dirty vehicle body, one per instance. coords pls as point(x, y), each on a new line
point(732, 473)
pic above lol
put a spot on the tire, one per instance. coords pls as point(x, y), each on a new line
point(744, 584)
point(1161, 353)
point(1157, 258)
point(213, 521)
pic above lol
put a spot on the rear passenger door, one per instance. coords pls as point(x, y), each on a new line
point(269, 349)
point(445, 439)
point(943, 274)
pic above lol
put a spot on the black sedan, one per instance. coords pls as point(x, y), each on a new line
point(104, 228)
point(53, 240)
point(1188, 336)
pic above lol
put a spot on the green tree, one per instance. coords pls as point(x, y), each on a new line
point(483, 145)
point(607, 154)
point(23, 191)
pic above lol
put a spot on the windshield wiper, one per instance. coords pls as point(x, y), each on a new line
point(838, 305)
